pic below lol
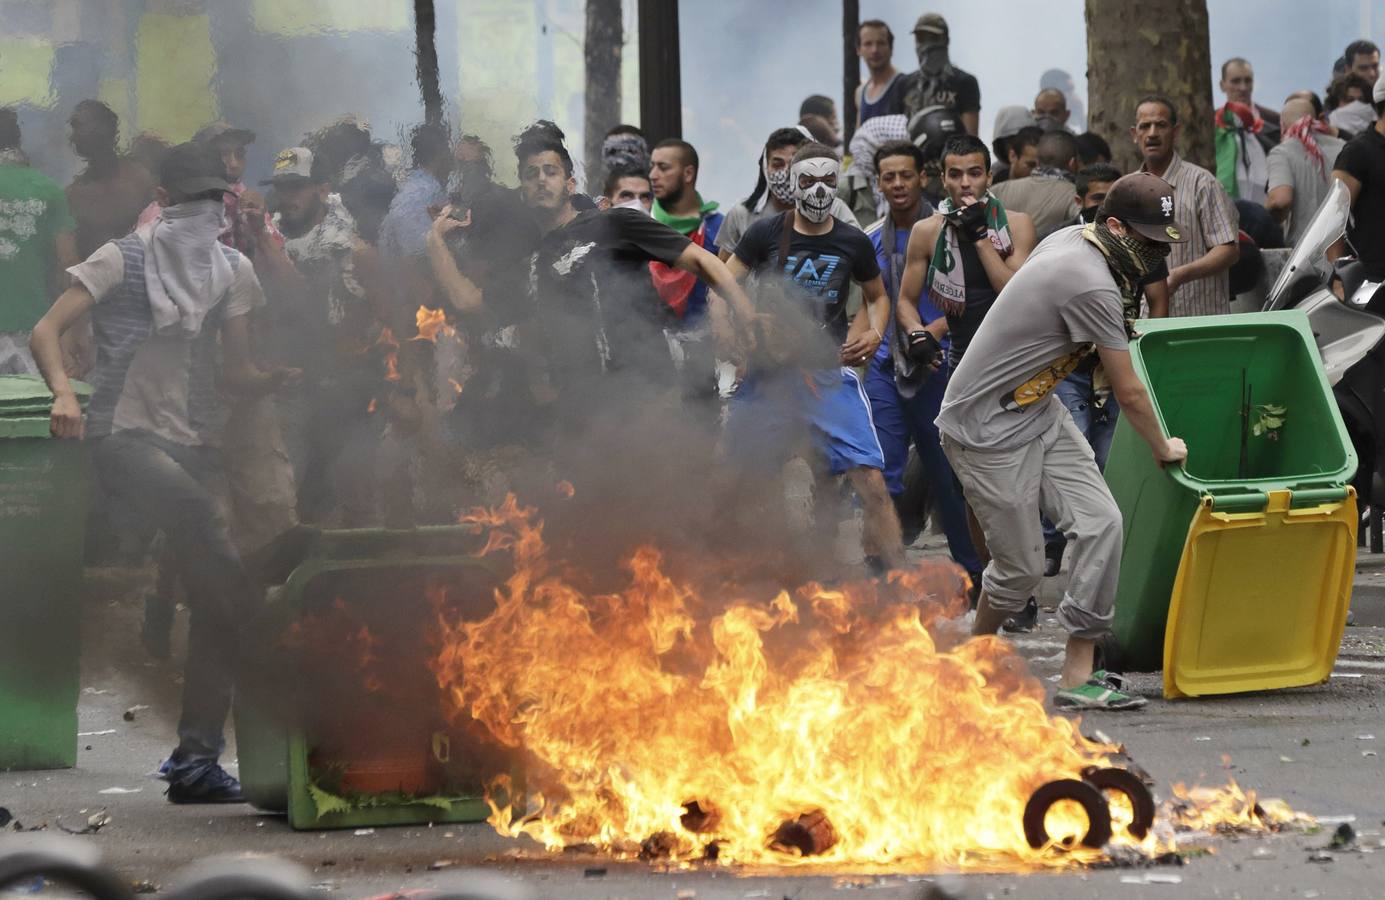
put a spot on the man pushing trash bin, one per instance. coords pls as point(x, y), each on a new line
point(1014, 446)
point(159, 299)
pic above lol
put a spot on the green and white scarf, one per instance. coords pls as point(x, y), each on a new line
point(945, 283)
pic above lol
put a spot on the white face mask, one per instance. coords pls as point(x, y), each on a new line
point(632, 204)
point(815, 203)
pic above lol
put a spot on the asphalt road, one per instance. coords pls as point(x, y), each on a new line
point(1306, 746)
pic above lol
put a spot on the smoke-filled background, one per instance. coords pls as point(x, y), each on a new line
point(286, 67)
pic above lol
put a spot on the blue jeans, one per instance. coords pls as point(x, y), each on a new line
point(170, 485)
point(1097, 424)
point(897, 421)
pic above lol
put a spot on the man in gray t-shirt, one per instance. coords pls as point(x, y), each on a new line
point(1015, 447)
point(1300, 168)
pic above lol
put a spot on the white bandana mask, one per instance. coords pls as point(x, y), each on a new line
point(634, 204)
point(185, 271)
point(815, 203)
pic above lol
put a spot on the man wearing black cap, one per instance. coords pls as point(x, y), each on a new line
point(159, 300)
point(938, 82)
point(1014, 446)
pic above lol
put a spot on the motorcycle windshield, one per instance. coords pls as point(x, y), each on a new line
point(1308, 267)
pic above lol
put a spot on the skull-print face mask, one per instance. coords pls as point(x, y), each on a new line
point(815, 187)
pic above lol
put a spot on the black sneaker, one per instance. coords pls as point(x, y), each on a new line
point(1025, 620)
point(213, 785)
point(1053, 558)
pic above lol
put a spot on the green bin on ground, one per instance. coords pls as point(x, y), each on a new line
point(1236, 567)
point(351, 729)
point(43, 509)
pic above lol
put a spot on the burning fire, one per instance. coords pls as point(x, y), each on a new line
point(683, 719)
point(1228, 809)
point(431, 323)
point(387, 340)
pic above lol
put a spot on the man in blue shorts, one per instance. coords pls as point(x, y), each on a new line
point(804, 381)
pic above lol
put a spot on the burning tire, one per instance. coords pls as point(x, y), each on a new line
point(1127, 783)
point(1091, 800)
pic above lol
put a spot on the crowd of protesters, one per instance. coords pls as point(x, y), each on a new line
point(312, 349)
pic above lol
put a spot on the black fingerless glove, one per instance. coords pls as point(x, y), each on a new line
point(971, 223)
point(924, 349)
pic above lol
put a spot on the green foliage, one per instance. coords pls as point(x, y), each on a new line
point(327, 802)
point(1269, 418)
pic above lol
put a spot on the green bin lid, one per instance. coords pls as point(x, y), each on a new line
point(24, 396)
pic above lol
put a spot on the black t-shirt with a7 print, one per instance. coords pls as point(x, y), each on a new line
point(821, 265)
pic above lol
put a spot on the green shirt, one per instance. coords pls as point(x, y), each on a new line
point(33, 211)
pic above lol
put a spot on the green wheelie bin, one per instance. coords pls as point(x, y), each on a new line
point(1236, 567)
point(43, 506)
point(362, 738)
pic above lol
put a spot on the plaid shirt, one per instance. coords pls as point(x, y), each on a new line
point(1207, 216)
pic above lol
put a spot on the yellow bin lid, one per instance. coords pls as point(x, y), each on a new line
point(1261, 597)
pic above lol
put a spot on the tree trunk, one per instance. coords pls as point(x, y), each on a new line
point(605, 36)
point(661, 85)
point(851, 67)
point(1152, 47)
point(426, 52)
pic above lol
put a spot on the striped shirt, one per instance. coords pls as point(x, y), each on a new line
point(145, 381)
point(1207, 216)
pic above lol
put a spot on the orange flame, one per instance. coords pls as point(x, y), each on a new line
point(566, 489)
point(920, 746)
point(1228, 809)
point(370, 408)
point(387, 340)
point(431, 323)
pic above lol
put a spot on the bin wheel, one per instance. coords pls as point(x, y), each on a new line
point(1093, 804)
point(1127, 783)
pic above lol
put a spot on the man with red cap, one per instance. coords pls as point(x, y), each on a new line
point(1013, 444)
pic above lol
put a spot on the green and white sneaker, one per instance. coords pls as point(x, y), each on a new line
point(1101, 691)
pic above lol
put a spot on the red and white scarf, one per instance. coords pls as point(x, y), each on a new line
point(1303, 131)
